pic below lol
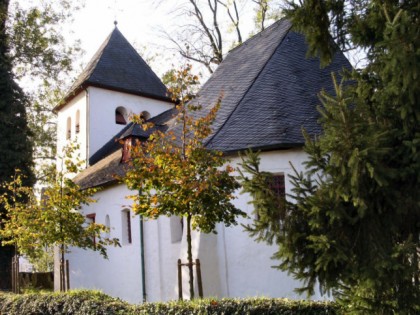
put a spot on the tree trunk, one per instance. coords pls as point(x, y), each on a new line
point(190, 260)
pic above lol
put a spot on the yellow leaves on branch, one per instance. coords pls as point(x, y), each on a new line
point(31, 225)
point(174, 174)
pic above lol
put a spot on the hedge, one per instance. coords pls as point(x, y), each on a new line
point(96, 303)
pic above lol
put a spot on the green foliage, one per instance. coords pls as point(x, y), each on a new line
point(31, 225)
point(73, 302)
point(42, 63)
point(37, 44)
point(354, 228)
point(266, 12)
point(92, 303)
point(269, 208)
point(176, 175)
point(44, 262)
point(15, 137)
point(15, 144)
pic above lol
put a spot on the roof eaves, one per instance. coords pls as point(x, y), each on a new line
point(69, 96)
point(75, 91)
point(128, 91)
point(79, 83)
point(266, 148)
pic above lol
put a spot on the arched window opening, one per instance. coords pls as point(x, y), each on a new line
point(77, 126)
point(121, 116)
point(145, 115)
point(68, 130)
point(126, 227)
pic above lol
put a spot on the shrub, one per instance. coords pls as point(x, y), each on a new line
point(71, 303)
point(257, 306)
point(96, 303)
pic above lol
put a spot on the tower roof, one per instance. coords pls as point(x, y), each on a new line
point(117, 66)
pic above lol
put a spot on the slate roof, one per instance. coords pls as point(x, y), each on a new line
point(269, 92)
point(117, 66)
point(105, 172)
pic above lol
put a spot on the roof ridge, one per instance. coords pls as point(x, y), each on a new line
point(258, 34)
point(140, 56)
point(253, 81)
point(93, 62)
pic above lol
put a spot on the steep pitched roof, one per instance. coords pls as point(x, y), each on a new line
point(269, 92)
point(118, 66)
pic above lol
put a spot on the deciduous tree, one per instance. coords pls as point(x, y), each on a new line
point(176, 175)
point(55, 221)
point(42, 63)
point(216, 26)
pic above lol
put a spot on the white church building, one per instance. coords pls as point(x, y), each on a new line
point(269, 94)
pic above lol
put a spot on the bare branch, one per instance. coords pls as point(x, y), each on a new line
point(262, 10)
point(198, 14)
point(235, 20)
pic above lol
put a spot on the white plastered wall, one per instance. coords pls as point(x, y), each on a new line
point(78, 103)
point(120, 275)
point(232, 263)
point(100, 105)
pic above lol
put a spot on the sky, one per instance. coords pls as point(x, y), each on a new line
point(140, 21)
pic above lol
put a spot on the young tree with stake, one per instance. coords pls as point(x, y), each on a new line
point(176, 175)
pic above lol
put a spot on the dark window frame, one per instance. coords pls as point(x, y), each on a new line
point(129, 237)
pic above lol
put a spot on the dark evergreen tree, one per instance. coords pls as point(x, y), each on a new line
point(15, 142)
point(354, 228)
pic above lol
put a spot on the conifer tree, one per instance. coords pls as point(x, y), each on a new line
point(15, 141)
point(354, 225)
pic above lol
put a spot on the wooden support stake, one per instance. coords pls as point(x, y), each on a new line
point(62, 282)
point(67, 275)
point(199, 281)
point(17, 275)
point(13, 275)
point(179, 280)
